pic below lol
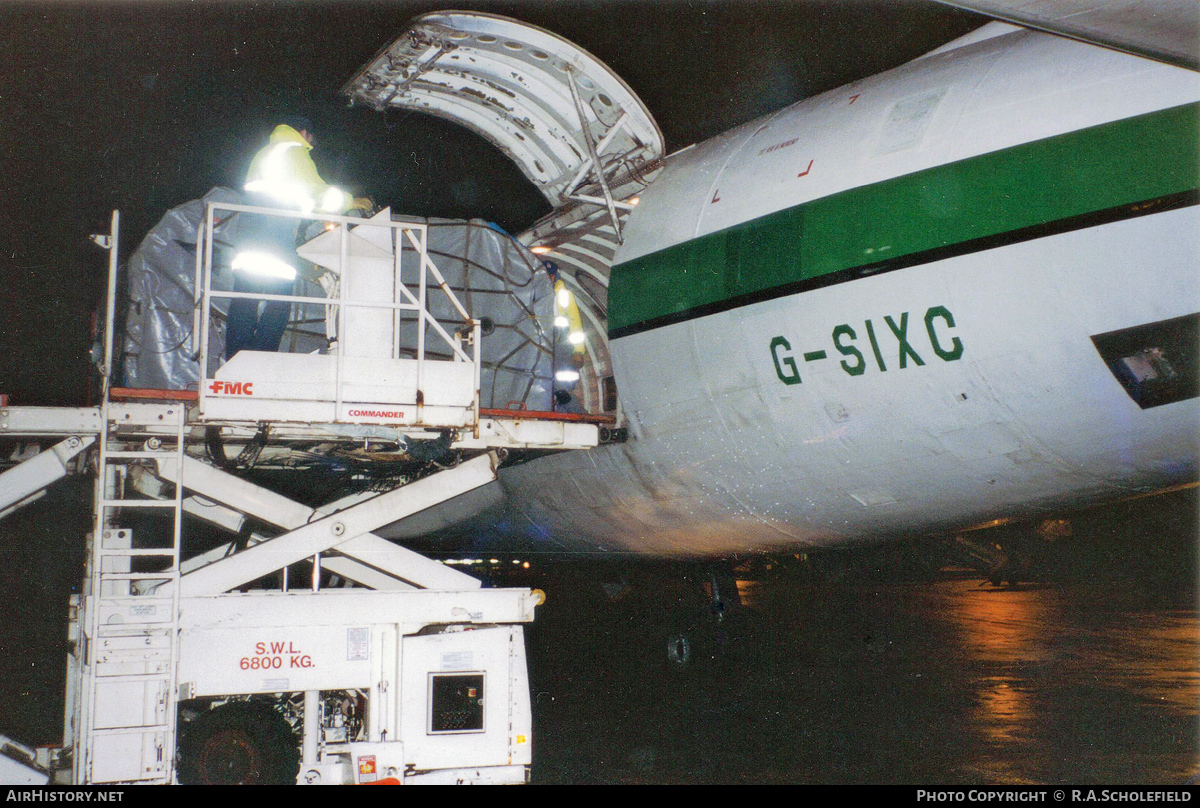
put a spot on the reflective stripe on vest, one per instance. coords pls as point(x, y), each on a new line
point(263, 264)
point(275, 182)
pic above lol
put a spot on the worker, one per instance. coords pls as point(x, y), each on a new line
point(568, 323)
point(282, 175)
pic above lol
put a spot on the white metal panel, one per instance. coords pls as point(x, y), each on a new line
point(368, 330)
point(518, 433)
point(125, 703)
point(486, 652)
point(507, 81)
point(474, 776)
point(127, 757)
point(303, 387)
point(284, 658)
point(49, 420)
point(411, 610)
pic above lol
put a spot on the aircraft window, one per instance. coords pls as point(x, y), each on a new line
point(1156, 363)
point(455, 703)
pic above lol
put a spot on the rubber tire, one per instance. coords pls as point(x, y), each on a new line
point(239, 743)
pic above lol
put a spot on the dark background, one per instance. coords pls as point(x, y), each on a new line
point(144, 106)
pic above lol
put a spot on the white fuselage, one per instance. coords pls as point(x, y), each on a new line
point(983, 396)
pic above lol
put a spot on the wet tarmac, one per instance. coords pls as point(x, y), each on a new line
point(867, 670)
point(880, 673)
point(945, 681)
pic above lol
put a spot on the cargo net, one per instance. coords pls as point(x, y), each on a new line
point(497, 279)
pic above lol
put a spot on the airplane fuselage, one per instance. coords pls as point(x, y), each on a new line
point(957, 291)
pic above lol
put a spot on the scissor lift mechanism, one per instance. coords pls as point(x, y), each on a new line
point(427, 666)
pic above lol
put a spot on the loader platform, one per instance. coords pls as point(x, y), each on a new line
point(333, 654)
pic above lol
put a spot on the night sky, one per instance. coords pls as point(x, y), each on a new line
point(143, 106)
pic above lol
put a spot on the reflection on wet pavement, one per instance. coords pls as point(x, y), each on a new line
point(1053, 662)
point(948, 680)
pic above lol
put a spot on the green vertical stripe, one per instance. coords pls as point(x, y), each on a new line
point(1083, 172)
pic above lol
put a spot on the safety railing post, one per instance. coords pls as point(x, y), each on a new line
point(422, 257)
point(197, 292)
point(343, 264)
point(397, 283)
point(206, 307)
point(110, 312)
point(476, 338)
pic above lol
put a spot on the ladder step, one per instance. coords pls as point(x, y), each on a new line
point(143, 650)
point(132, 730)
point(158, 777)
point(137, 627)
point(139, 551)
point(136, 600)
point(137, 630)
point(140, 629)
point(134, 677)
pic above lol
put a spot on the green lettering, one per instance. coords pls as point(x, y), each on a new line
point(875, 346)
point(787, 378)
point(901, 333)
point(860, 366)
point(956, 350)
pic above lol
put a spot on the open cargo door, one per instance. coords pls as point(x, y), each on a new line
point(574, 128)
point(552, 107)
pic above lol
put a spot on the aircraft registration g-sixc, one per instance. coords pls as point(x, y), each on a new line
point(964, 289)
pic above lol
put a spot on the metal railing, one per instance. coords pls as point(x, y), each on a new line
point(405, 238)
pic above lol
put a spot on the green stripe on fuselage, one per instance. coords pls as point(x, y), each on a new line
point(1079, 173)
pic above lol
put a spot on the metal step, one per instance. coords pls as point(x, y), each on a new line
point(138, 503)
point(131, 730)
point(140, 551)
point(131, 661)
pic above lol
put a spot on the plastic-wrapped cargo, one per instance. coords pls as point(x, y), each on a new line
point(156, 349)
point(497, 278)
point(493, 275)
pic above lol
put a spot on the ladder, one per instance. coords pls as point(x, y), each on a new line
point(140, 626)
point(130, 620)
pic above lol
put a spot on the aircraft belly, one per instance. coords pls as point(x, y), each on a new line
point(924, 399)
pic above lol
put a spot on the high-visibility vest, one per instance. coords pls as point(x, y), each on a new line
point(284, 172)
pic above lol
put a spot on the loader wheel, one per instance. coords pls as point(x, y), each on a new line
point(239, 743)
